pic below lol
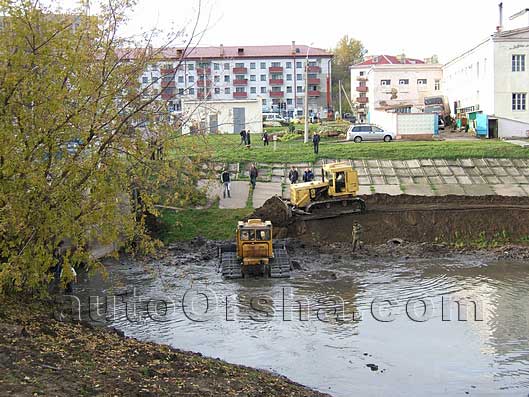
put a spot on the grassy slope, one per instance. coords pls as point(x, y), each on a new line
point(227, 148)
point(212, 223)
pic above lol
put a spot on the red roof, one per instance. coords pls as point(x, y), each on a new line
point(388, 60)
point(233, 52)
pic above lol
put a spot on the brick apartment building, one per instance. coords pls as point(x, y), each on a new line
point(276, 74)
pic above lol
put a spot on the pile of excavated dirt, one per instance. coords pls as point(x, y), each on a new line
point(486, 220)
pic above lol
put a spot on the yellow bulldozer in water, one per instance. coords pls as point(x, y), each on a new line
point(254, 252)
point(334, 195)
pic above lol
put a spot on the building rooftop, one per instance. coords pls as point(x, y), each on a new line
point(234, 52)
point(388, 60)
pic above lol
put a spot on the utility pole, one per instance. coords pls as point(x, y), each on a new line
point(306, 110)
point(340, 97)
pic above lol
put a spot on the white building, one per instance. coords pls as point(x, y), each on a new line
point(489, 83)
point(225, 116)
point(276, 74)
point(386, 82)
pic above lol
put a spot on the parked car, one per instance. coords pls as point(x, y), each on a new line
point(368, 132)
point(274, 119)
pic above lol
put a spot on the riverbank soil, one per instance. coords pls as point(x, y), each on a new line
point(42, 356)
point(460, 220)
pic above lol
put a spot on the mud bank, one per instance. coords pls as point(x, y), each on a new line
point(460, 220)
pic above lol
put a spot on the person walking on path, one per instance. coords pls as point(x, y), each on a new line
point(243, 137)
point(253, 176)
point(225, 180)
point(316, 142)
point(293, 175)
point(265, 139)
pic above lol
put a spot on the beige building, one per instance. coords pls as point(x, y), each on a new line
point(393, 83)
point(222, 116)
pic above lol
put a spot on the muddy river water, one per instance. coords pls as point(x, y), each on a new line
point(451, 326)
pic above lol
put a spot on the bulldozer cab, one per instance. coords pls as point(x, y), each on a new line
point(342, 179)
point(254, 241)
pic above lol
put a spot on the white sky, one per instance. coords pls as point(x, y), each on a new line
point(419, 28)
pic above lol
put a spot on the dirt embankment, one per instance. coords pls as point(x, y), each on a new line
point(486, 220)
point(42, 356)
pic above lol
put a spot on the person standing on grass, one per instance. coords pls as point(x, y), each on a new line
point(293, 175)
point(265, 139)
point(248, 140)
point(316, 142)
point(225, 180)
point(253, 176)
point(243, 137)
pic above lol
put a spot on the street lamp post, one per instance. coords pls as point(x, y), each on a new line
point(306, 102)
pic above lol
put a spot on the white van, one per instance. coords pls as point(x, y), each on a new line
point(273, 119)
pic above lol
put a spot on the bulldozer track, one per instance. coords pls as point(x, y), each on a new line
point(280, 264)
point(230, 266)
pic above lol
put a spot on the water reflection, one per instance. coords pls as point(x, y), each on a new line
point(319, 327)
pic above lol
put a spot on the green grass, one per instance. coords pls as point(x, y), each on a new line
point(226, 148)
point(212, 223)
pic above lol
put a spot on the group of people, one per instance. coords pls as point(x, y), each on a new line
point(293, 175)
point(225, 179)
point(247, 141)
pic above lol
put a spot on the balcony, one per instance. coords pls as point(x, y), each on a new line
point(275, 69)
point(361, 78)
point(361, 88)
point(240, 82)
point(202, 71)
point(240, 94)
point(276, 94)
point(167, 95)
point(204, 83)
point(275, 81)
point(169, 83)
point(314, 93)
point(166, 71)
point(362, 99)
point(204, 95)
point(314, 69)
point(314, 81)
point(240, 70)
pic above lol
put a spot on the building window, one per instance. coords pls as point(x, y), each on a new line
point(253, 90)
point(276, 64)
point(385, 82)
point(155, 79)
point(289, 77)
point(422, 81)
point(263, 65)
point(191, 91)
point(299, 101)
point(362, 73)
point(216, 79)
point(216, 66)
point(289, 101)
point(190, 66)
point(263, 90)
point(518, 101)
point(299, 88)
point(226, 79)
point(239, 65)
point(240, 89)
point(217, 91)
point(263, 77)
point(191, 79)
point(264, 102)
point(289, 90)
point(227, 90)
point(240, 77)
point(404, 82)
point(252, 65)
point(299, 76)
point(299, 65)
point(289, 65)
point(226, 66)
point(180, 91)
point(518, 63)
point(145, 80)
point(437, 85)
point(253, 77)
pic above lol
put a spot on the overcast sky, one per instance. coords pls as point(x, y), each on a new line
point(419, 28)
